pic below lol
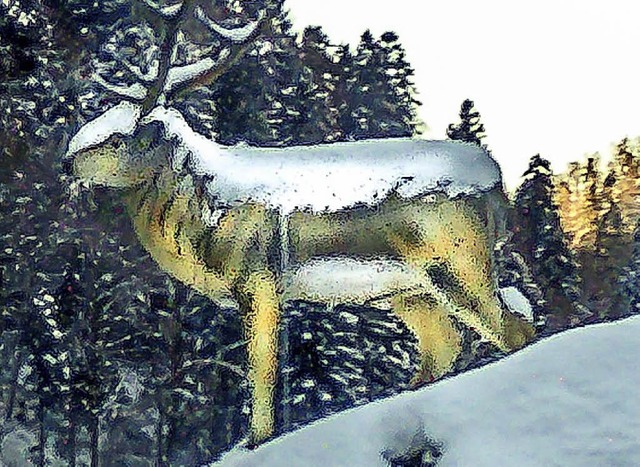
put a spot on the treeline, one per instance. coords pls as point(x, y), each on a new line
point(599, 210)
point(579, 231)
point(302, 89)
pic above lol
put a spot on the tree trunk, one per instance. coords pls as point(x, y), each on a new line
point(42, 438)
point(160, 453)
point(71, 439)
point(13, 384)
point(94, 426)
point(176, 349)
point(171, 433)
point(284, 405)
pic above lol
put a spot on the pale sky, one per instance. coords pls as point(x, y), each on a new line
point(555, 77)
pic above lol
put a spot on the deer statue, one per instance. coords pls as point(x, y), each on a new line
point(376, 222)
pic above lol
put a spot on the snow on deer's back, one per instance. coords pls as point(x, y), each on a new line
point(330, 177)
point(326, 177)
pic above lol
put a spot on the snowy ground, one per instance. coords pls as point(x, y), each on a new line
point(570, 400)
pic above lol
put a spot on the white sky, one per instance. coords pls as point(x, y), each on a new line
point(555, 77)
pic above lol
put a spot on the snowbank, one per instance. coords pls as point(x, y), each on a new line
point(570, 400)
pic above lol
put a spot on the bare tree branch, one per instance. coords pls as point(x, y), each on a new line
point(204, 362)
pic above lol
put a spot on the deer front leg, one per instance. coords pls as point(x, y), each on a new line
point(241, 245)
point(258, 294)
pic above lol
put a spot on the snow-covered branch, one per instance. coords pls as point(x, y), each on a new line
point(239, 34)
point(133, 91)
point(168, 11)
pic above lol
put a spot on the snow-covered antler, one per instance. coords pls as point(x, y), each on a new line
point(183, 74)
point(160, 81)
point(167, 11)
point(239, 34)
point(205, 72)
point(135, 91)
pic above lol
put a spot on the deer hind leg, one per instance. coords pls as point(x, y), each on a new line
point(439, 341)
point(460, 242)
point(449, 237)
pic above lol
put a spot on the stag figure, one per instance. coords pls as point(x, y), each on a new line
point(383, 223)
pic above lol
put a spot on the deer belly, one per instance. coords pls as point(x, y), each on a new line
point(349, 281)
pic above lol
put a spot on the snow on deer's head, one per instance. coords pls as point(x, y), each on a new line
point(114, 150)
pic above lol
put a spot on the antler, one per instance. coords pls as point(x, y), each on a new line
point(172, 23)
point(174, 81)
point(239, 40)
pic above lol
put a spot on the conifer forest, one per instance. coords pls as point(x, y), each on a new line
point(107, 360)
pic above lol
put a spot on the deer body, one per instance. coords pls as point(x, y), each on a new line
point(376, 214)
point(381, 222)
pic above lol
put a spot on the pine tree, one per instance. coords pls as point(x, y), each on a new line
point(365, 87)
point(246, 108)
point(583, 197)
point(400, 75)
point(319, 77)
point(279, 93)
point(540, 238)
point(342, 95)
point(630, 281)
point(469, 129)
point(613, 249)
point(381, 96)
point(626, 191)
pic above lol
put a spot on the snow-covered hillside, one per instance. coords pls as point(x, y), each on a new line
point(570, 400)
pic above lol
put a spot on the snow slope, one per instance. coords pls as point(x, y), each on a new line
point(570, 400)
